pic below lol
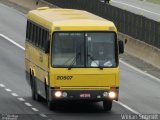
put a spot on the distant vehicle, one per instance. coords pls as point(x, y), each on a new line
point(72, 55)
point(105, 1)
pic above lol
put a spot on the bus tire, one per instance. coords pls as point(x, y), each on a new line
point(35, 95)
point(50, 104)
point(32, 87)
point(107, 105)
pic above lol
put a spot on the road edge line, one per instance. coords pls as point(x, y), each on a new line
point(140, 71)
point(13, 42)
point(127, 107)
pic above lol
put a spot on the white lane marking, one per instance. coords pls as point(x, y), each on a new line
point(132, 110)
point(8, 90)
point(21, 99)
point(28, 104)
point(35, 109)
point(14, 94)
point(43, 115)
point(13, 42)
point(2, 85)
point(127, 107)
point(135, 7)
point(128, 65)
point(140, 71)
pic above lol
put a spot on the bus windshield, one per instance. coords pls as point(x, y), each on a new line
point(84, 49)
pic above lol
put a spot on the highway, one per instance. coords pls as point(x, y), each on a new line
point(140, 7)
point(138, 92)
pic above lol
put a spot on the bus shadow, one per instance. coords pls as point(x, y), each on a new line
point(78, 107)
point(73, 106)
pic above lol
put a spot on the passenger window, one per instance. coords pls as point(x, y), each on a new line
point(31, 31)
point(44, 38)
point(36, 36)
point(27, 31)
point(41, 34)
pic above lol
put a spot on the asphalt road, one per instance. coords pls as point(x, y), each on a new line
point(137, 91)
point(141, 7)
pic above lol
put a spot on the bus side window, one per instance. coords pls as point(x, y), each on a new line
point(43, 37)
point(39, 37)
point(27, 31)
point(32, 31)
point(47, 36)
point(36, 36)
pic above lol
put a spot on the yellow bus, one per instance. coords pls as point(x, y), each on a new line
point(72, 55)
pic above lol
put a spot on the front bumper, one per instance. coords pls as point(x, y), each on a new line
point(90, 95)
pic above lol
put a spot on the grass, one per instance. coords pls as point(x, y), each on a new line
point(154, 1)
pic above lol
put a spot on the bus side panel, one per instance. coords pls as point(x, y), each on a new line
point(42, 71)
point(37, 62)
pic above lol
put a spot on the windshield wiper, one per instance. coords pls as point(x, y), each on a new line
point(74, 60)
point(93, 60)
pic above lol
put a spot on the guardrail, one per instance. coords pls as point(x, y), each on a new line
point(137, 26)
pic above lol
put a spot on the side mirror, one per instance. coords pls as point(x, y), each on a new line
point(47, 46)
point(121, 47)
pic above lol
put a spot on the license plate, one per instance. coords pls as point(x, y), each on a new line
point(85, 95)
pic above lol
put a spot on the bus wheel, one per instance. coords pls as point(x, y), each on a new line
point(32, 87)
point(50, 105)
point(38, 97)
point(107, 105)
point(35, 95)
point(49, 102)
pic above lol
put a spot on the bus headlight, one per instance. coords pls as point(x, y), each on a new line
point(112, 95)
point(58, 94)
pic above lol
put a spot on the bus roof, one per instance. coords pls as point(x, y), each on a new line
point(52, 18)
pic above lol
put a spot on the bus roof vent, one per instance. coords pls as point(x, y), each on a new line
point(42, 8)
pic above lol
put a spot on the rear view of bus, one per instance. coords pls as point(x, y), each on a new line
point(79, 60)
